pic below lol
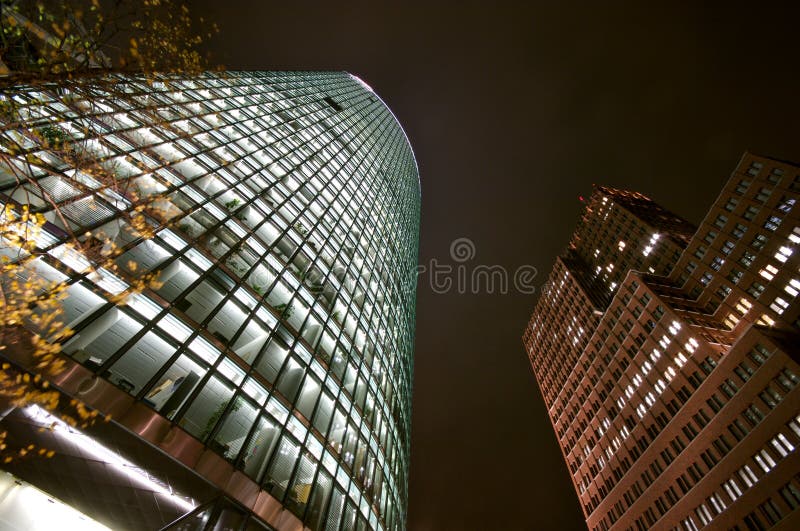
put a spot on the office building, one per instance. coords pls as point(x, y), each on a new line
point(265, 380)
point(672, 386)
point(618, 231)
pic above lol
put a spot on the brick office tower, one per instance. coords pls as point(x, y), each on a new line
point(673, 392)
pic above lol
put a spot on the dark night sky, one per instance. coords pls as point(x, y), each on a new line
point(513, 113)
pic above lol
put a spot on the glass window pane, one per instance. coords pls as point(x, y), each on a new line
point(316, 507)
point(335, 510)
point(361, 393)
point(301, 486)
point(339, 363)
point(79, 303)
point(226, 321)
point(200, 301)
point(282, 465)
point(308, 396)
point(272, 359)
point(361, 454)
point(322, 417)
point(350, 445)
point(350, 379)
point(250, 342)
point(175, 278)
point(174, 386)
point(207, 408)
point(230, 437)
point(349, 521)
point(260, 447)
point(135, 368)
point(147, 256)
point(102, 337)
point(337, 429)
point(290, 379)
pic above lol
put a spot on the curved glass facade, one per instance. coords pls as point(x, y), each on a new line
point(281, 335)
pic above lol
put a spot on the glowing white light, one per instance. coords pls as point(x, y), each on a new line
point(793, 287)
point(361, 81)
point(101, 453)
point(26, 507)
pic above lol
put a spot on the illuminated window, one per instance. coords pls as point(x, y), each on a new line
point(779, 305)
point(783, 254)
point(768, 272)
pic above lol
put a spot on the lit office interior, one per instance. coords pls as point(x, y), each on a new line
point(281, 331)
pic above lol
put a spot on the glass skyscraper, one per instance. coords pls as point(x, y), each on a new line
point(274, 356)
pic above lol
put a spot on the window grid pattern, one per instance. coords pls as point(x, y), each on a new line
point(641, 406)
point(619, 230)
point(281, 335)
